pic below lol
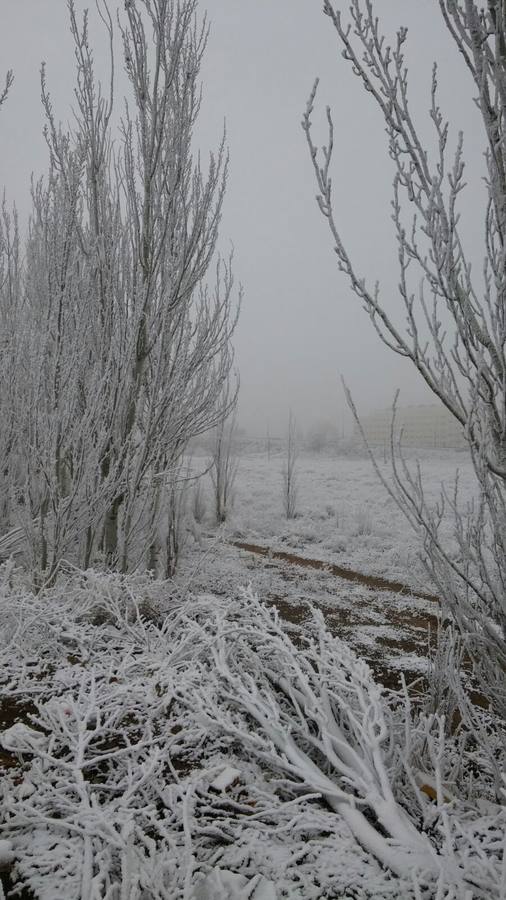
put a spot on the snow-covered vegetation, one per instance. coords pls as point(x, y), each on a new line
point(179, 739)
point(344, 515)
point(170, 745)
point(243, 678)
point(121, 304)
point(453, 328)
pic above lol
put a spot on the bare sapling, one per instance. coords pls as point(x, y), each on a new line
point(290, 487)
point(224, 466)
point(198, 502)
point(177, 503)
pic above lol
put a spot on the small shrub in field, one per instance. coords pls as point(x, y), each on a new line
point(364, 521)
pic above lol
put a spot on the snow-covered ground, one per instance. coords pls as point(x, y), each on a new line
point(152, 750)
point(143, 724)
point(344, 514)
point(345, 518)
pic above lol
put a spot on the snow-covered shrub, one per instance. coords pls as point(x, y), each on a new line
point(363, 521)
point(166, 758)
point(337, 543)
point(317, 719)
point(322, 435)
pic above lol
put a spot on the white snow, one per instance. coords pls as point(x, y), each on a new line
point(344, 515)
point(6, 854)
point(21, 738)
point(221, 884)
point(225, 779)
point(127, 783)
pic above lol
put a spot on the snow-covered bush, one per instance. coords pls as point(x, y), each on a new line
point(322, 436)
point(165, 758)
point(363, 521)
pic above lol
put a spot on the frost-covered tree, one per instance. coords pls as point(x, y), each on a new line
point(464, 364)
point(10, 296)
point(9, 243)
point(10, 299)
point(289, 471)
point(128, 336)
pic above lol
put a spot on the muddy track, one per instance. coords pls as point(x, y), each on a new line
point(414, 625)
point(370, 581)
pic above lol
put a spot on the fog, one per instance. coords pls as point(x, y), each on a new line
point(300, 327)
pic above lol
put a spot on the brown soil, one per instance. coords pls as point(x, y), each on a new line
point(415, 627)
point(370, 581)
point(295, 614)
point(12, 710)
point(417, 623)
point(15, 709)
point(20, 893)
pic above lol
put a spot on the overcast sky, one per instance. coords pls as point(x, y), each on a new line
point(301, 327)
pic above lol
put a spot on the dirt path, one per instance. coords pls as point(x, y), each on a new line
point(408, 630)
point(370, 581)
point(412, 629)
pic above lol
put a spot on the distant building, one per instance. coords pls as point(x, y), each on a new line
point(422, 426)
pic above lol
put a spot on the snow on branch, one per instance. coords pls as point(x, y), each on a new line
point(166, 749)
point(315, 716)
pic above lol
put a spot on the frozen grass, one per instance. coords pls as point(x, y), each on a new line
point(344, 514)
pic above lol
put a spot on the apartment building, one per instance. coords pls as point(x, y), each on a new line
point(423, 426)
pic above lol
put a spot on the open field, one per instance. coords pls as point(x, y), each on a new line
point(344, 514)
point(345, 519)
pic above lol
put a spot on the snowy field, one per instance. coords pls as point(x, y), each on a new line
point(344, 518)
point(344, 514)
